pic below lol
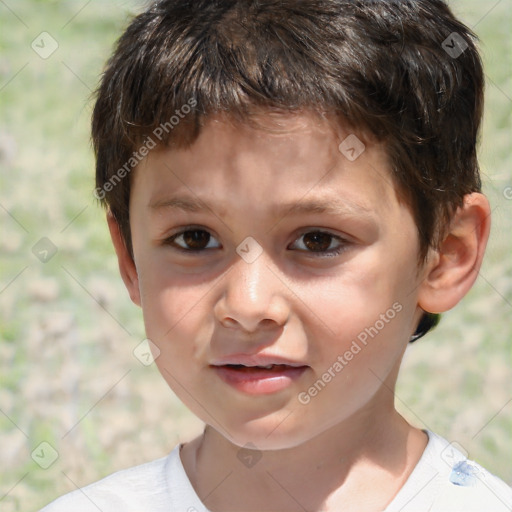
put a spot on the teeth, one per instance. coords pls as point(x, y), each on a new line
point(264, 367)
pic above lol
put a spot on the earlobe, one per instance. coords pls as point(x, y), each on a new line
point(126, 264)
point(452, 269)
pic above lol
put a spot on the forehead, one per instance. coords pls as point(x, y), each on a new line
point(280, 158)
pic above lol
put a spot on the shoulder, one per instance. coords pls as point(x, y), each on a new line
point(445, 480)
point(466, 485)
point(470, 488)
point(141, 488)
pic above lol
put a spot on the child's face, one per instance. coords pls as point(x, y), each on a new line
point(340, 304)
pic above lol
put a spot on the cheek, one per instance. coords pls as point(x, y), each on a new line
point(350, 300)
point(367, 309)
point(172, 308)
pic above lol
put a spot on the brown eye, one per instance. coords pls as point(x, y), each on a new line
point(318, 241)
point(194, 240)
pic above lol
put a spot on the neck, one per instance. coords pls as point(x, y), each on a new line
point(375, 445)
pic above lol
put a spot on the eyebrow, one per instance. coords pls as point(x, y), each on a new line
point(328, 206)
point(306, 206)
point(181, 203)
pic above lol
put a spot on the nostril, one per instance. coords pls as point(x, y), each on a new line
point(267, 322)
point(264, 324)
point(229, 322)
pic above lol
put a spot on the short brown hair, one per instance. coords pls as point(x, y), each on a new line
point(406, 72)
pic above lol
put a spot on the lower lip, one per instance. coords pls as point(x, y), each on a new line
point(258, 381)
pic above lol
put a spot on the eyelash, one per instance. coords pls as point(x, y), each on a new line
point(325, 254)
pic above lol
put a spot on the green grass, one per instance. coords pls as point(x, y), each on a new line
point(60, 350)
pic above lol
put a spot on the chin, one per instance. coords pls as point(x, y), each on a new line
point(269, 433)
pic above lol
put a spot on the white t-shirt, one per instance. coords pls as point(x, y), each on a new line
point(442, 481)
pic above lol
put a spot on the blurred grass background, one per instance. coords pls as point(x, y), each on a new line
point(68, 375)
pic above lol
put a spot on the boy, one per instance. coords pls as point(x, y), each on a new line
point(293, 195)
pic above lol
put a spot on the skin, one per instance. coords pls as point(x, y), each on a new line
point(294, 301)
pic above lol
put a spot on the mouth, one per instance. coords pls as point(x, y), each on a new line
point(272, 367)
point(261, 379)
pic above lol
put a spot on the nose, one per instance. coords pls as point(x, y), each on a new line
point(253, 297)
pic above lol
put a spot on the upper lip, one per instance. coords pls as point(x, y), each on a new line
point(255, 360)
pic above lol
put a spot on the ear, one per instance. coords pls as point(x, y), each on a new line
point(126, 264)
point(452, 269)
